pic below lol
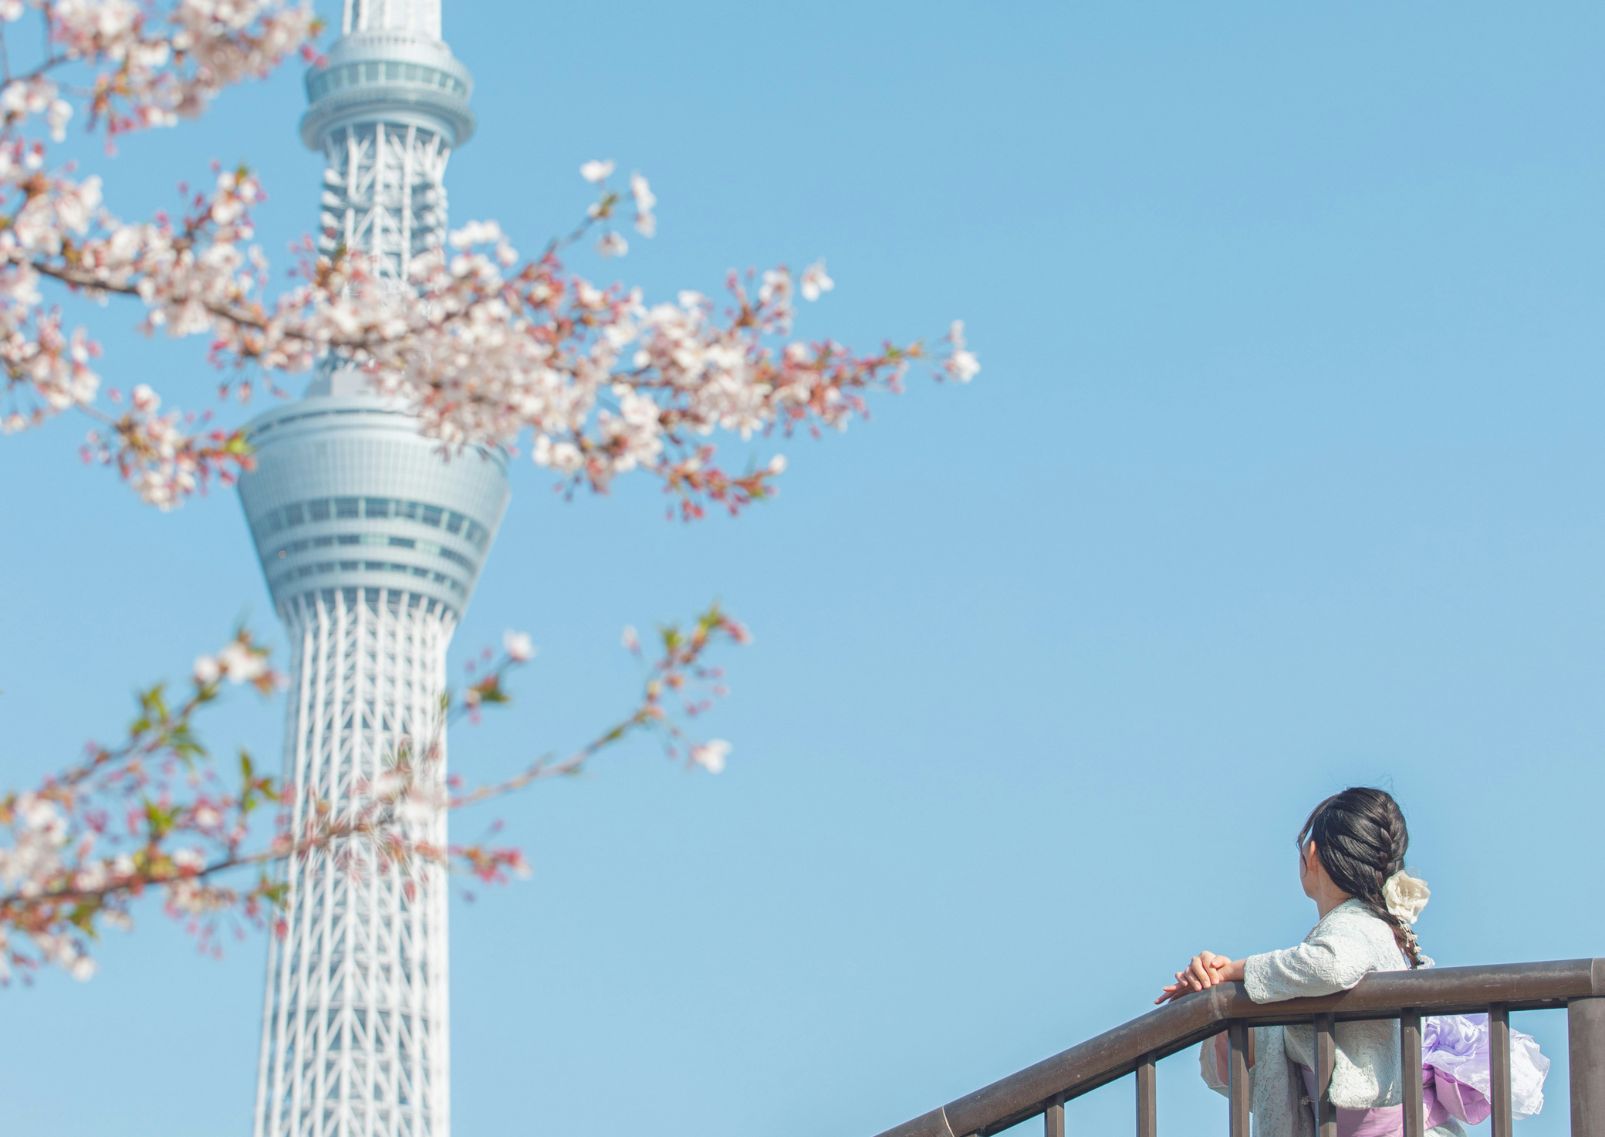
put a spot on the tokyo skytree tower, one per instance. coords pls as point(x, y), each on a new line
point(371, 543)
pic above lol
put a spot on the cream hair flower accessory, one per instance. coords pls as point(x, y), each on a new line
point(1406, 896)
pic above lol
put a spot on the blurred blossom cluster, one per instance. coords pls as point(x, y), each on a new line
point(157, 814)
point(487, 347)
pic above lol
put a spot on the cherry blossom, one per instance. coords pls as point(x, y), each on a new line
point(157, 814)
point(597, 171)
point(711, 755)
point(815, 281)
point(646, 222)
point(520, 648)
point(485, 346)
point(960, 364)
point(489, 349)
point(604, 381)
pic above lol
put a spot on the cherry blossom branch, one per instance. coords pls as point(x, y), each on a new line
point(484, 349)
point(677, 668)
point(150, 67)
point(72, 868)
point(605, 383)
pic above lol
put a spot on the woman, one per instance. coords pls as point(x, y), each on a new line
point(1351, 864)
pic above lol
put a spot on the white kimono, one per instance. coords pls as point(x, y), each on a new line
point(1349, 943)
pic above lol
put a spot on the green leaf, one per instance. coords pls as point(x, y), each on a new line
point(161, 820)
point(82, 917)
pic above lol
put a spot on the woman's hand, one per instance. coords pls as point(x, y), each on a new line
point(1205, 969)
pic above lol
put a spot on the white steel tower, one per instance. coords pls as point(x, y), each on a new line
point(371, 543)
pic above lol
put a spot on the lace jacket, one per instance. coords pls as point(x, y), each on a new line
point(1347, 944)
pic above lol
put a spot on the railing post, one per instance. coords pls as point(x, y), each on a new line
point(1499, 1070)
point(1415, 1120)
point(1148, 1098)
point(1237, 1037)
point(1585, 1026)
point(1325, 1062)
point(1053, 1119)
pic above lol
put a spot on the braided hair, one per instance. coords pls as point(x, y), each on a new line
point(1361, 838)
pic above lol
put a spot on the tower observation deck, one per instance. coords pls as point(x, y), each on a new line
point(371, 543)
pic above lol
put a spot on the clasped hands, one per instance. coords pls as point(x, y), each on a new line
point(1204, 970)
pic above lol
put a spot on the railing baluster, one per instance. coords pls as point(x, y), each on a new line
point(1147, 1099)
point(1053, 1120)
point(1585, 1028)
point(1499, 1060)
point(1237, 1036)
point(1325, 1063)
point(1415, 1122)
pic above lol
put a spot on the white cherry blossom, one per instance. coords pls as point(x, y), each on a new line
point(815, 281)
point(519, 646)
point(711, 755)
point(646, 221)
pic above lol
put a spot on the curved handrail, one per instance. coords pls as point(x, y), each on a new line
point(1116, 1053)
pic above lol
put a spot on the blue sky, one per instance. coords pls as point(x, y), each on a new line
point(1282, 475)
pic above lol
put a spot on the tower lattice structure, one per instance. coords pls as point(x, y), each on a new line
point(371, 543)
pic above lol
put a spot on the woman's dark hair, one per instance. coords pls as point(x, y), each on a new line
point(1361, 839)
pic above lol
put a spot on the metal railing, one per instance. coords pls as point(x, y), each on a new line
point(1577, 985)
